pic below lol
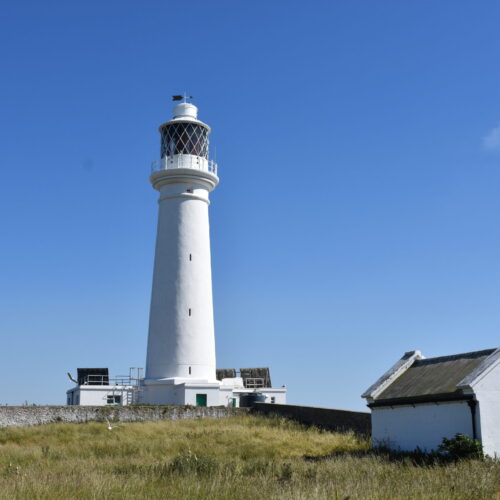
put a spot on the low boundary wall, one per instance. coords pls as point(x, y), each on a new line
point(326, 418)
point(22, 416)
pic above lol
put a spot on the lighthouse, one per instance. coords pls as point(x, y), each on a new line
point(181, 341)
point(180, 360)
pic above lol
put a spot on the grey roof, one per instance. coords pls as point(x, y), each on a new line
point(392, 373)
point(246, 373)
point(262, 373)
point(221, 373)
point(433, 377)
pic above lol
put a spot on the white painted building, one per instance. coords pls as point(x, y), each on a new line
point(180, 364)
point(419, 401)
point(228, 392)
point(94, 387)
point(102, 395)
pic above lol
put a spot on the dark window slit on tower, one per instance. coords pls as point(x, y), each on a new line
point(190, 257)
point(189, 370)
point(189, 312)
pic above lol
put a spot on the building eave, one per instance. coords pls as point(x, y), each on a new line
point(390, 375)
point(481, 371)
point(426, 399)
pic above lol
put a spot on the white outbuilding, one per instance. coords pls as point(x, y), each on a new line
point(94, 387)
point(419, 401)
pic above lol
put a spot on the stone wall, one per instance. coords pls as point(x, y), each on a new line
point(336, 420)
point(326, 418)
point(20, 416)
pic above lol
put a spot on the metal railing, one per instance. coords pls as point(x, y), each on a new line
point(106, 380)
point(254, 383)
point(184, 161)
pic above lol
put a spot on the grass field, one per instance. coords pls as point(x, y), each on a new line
point(244, 457)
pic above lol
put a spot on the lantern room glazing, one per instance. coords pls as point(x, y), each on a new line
point(184, 137)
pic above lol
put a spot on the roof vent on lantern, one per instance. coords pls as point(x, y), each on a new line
point(185, 111)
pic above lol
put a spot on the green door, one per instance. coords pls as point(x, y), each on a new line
point(201, 400)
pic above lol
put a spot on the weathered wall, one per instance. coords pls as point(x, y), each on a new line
point(421, 425)
point(335, 420)
point(19, 416)
point(488, 394)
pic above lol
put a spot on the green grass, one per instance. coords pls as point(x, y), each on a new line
point(244, 457)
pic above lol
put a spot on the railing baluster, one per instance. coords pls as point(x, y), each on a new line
point(191, 162)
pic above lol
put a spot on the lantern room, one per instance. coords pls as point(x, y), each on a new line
point(184, 134)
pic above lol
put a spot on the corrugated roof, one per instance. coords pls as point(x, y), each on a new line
point(246, 373)
point(434, 376)
point(221, 373)
point(256, 373)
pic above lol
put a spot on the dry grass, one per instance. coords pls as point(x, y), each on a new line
point(243, 457)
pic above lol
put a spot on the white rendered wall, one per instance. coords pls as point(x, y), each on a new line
point(162, 394)
point(488, 395)
point(423, 426)
point(226, 396)
point(181, 394)
point(181, 342)
point(279, 396)
point(212, 392)
point(98, 395)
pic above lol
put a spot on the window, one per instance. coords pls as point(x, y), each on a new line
point(189, 190)
point(189, 370)
point(189, 312)
point(273, 400)
point(190, 257)
point(184, 138)
point(113, 399)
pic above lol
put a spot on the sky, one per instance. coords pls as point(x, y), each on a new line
point(356, 218)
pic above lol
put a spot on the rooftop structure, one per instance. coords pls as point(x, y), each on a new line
point(94, 387)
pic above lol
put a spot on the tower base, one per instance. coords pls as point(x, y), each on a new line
point(177, 391)
point(183, 392)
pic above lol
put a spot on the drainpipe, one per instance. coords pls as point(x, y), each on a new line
point(472, 405)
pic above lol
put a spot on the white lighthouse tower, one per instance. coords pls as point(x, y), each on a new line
point(181, 341)
point(180, 365)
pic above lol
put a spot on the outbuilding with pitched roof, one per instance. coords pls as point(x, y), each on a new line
point(419, 401)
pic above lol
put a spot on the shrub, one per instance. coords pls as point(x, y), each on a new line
point(461, 446)
point(286, 472)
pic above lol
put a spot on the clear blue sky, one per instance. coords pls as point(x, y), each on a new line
point(357, 213)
